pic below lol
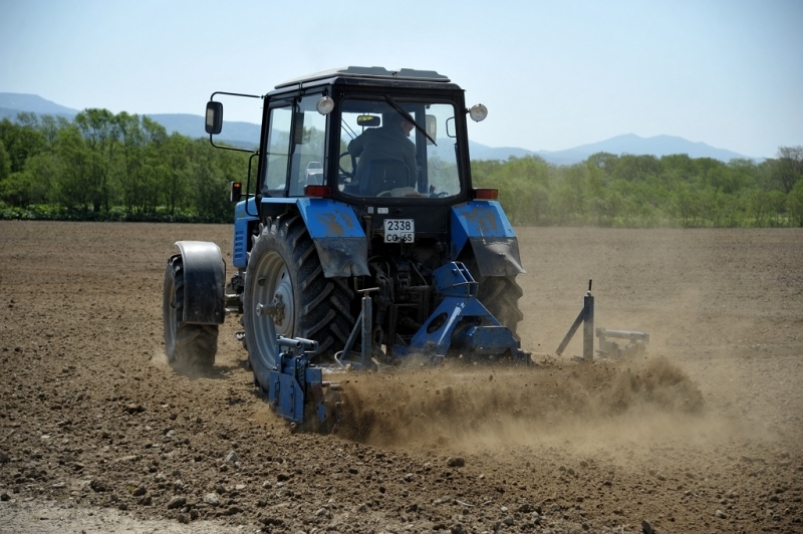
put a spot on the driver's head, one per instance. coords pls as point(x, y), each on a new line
point(394, 119)
point(391, 119)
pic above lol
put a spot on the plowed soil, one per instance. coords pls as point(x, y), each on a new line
point(704, 434)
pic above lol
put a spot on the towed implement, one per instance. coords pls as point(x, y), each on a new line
point(359, 241)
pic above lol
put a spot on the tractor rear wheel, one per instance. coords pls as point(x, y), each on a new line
point(185, 344)
point(284, 271)
point(500, 295)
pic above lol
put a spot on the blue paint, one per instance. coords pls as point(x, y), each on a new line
point(242, 217)
point(327, 218)
point(479, 218)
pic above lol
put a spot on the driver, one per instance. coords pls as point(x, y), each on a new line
point(388, 143)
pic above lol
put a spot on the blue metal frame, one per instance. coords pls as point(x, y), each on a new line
point(243, 217)
point(437, 335)
point(290, 386)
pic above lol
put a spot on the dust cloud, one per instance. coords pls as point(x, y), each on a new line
point(553, 402)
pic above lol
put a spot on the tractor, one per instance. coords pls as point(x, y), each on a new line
point(345, 258)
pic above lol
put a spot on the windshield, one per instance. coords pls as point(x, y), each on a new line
point(384, 154)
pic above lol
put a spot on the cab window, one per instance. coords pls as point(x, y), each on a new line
point(397, 149)
point(294, 155)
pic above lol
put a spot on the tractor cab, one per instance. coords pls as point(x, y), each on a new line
point(361, 133)
point(361, 189)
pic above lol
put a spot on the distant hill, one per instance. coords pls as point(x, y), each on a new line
point(243, 134)
point(247, 135)
point(660, 145)
point(13, 103)
point(479, 151)
point(239, 133)
point(631, 144)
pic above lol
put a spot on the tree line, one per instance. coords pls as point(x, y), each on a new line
point(647, 191)
point(102, 166)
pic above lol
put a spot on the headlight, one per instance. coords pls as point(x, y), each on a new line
point(325, 105)
point(478, 112)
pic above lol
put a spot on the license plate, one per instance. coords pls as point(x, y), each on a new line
point(399, 230)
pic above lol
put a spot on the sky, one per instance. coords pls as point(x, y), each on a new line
point(553, 74)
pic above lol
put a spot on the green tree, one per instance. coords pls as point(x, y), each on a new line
point(100, 132)
point(633, 168)
point(21, 142)
point(569, 199)
point(605, 161)
point(176, 155)
point(209, 185)
point(50, 126)
point(794, 203)
point(789, 167)
point(5, 162)
point(74, 185)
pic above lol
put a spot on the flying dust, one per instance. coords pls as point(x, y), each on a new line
point(479, 405)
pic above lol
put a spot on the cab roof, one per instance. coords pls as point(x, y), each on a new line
point(367, 75)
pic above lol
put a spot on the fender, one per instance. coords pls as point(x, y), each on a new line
point(484, 225)
point(338, 236)
point(204, 279)
point(333, 226)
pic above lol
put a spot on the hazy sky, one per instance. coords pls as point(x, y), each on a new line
point(553, 74)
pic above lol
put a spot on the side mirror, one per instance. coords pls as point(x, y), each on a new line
point(214, 117)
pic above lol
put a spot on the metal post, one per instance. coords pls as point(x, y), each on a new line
point(367, 327)
point(588, 325)
point(352, 337)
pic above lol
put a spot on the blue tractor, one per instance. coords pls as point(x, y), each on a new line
point(349, 250)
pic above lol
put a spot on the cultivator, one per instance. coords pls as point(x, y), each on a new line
point(296, 389)
point(295, 386)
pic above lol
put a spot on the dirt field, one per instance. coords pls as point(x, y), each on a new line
point(98, 433)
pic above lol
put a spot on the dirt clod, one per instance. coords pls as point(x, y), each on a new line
point(456, 462)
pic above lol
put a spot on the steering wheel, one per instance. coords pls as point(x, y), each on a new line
point(344, 172)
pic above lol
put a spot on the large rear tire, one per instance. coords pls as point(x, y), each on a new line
point(500, 295)
point(284, 268)
point(187, 345)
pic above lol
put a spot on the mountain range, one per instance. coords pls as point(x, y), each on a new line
point(245, 134)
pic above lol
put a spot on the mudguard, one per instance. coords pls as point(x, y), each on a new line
point(484, 225)
point(333, 226)
point(204, 280)
point(339, 239)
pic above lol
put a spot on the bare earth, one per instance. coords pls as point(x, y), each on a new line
point(99, 434)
